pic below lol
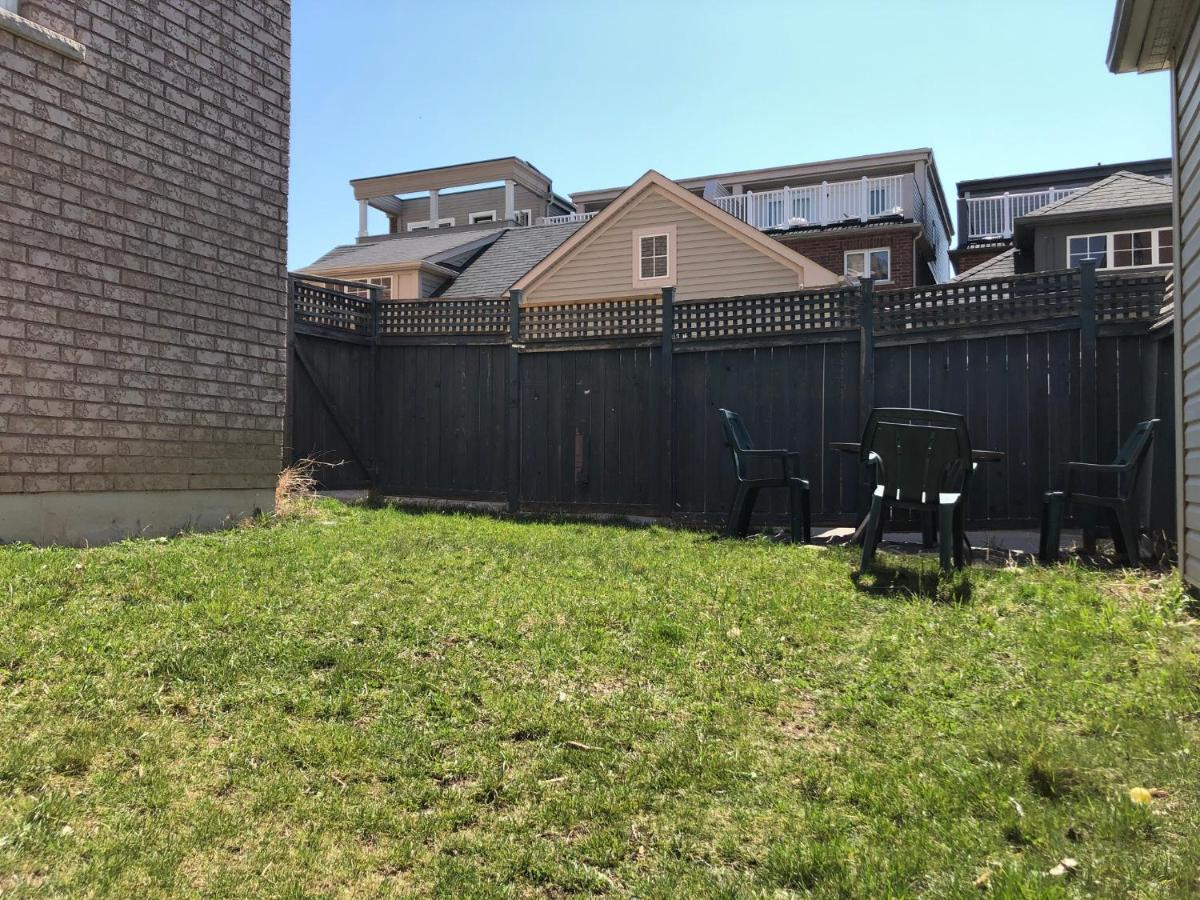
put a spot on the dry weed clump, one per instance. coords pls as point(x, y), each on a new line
point(296, 488)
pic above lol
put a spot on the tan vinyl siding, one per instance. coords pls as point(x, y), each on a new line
point(1186, 87)
point(710, 261)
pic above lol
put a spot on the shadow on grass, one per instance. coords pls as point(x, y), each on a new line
point(930, 584)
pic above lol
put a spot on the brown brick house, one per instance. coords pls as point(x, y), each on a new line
point(142, 263)
point(884, 213)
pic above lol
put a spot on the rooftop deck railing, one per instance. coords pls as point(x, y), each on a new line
point(992, 217)
point(565, 219)
point(829, 202)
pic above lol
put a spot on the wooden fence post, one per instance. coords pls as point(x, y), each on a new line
point(667, 355)
point(866, 350)
point(514, 402)
point(289, 388)
point(374, 394)
point(1088, 385)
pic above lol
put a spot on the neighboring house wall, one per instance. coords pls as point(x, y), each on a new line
point(459, 206)
point(1185, 83)
point(969, 259)
point(1050, 240)
point(830, 251)
point(710, 262)
point(143, 297)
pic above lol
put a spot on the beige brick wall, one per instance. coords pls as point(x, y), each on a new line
point(143, 207)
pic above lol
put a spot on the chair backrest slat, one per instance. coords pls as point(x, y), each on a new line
point(918, 453)
point(1133, 454)
point(737, 439)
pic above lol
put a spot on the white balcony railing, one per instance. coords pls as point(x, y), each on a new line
point(818, 204)
point(992, 217)
point(563, 220)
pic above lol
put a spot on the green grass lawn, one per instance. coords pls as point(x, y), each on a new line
point(370, 702)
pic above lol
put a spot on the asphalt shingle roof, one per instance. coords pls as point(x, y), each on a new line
point(1000, 266)
point(516, 252)
point(1123, 190)
point(399, 249)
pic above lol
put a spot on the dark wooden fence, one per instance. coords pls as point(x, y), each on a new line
point(610, 406)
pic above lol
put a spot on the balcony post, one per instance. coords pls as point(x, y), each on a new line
point(864, 200)
point(433, 209)
point(787, 206)
point(823, 204)
point(362, 218)
point(1008, 228)
point(510, 202)
point(748, 218)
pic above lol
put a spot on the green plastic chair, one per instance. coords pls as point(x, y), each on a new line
point(922, 462)
point(737, 438)
point(1119, 507)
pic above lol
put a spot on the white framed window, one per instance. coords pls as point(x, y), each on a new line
point(418, 226)
point(383, 281)
point(875, 263)
point(654, 256)
point(487, 215)
point(523, 216)
point(10, 5)
point(1123, 249)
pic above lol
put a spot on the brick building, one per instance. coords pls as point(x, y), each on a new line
point(142, 263)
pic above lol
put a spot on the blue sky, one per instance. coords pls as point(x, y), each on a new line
point(595, 93)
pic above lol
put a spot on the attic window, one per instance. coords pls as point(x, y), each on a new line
point(486, 216)
point(654, 256)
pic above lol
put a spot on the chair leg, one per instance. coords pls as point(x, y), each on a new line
point(962, 547)
point(1088, 518)
point(947, 536)
point(801, 512)
point(1052, 514)
point(871, 532)
point(735, 511)
point(1124, 525)
point(743, 524)
point(928, 530)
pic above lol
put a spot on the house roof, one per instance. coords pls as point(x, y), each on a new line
point(420, 246)
point(512, 255)
point(1145, 32)
point(806, 268)
point(1119, 191)
point(1060, 178)
point(1000, 266)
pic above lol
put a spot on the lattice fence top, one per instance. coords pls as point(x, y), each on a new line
point(1119, 296)
point(627, 317)
point(1021, 298)
point(469, 316)
point(1129, 296)
point(327, 308)
point(766, 314)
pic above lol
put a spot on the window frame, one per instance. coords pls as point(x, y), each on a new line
point(473, 220)
point(1110, 251)
point(427, 224)
point(640, 234)
point(376, 280)
point(867, 251)
point(527, 213)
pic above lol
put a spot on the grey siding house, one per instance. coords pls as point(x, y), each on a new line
point(1148, 36)
point(143, 214)
point(1123, 222)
